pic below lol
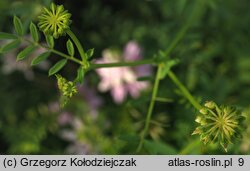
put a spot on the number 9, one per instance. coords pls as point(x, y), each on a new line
point(241, 161)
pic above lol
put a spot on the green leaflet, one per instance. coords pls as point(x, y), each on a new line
point(80, 74)
point(34, 32)
point(40, 58)
point(18, 26)
point(26, 52)
point(50, 41)
point(70, 48)
point(57, 67)
point(7, 36)
point(12, 45)
point(90, 53)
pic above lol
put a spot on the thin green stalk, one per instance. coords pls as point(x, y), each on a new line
point(150, 109)
point(184, 90)
point(177, 39)
point(78, 45)
point(121, 64)
point(196, 12)
point(66, 56)
point(180, 35)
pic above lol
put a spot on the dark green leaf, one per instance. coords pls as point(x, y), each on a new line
point(25, 53)
point(70, 48)
point(57, 67)
point(12, 45)
point(50, 41)
point(157, 147)
point(167, 66)
point(18, 26)
point(90, 53)
point(34, 32)
point(7, 36)
point(80, 74)
point(40, 58)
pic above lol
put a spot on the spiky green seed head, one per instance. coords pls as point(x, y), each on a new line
point(222, 124)
point(54, 21)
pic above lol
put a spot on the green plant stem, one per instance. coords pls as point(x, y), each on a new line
point(66, 56)
point(121, 64)
point(196, 12)
point(180, 35)
point(184, 90)
point(78, 45)
point(150, 109)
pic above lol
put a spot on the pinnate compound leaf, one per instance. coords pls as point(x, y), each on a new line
point(12, 45)
point(40, 58)
point(7, 36)
point(26, 52)
point(70, 48)
point(34, 32)
point(18, 26)
point(57, 67)
point(50, 41)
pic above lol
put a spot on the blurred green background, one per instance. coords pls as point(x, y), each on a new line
point(214, 64)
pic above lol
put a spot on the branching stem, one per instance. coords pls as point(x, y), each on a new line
point(150, 109)
point(180, 35)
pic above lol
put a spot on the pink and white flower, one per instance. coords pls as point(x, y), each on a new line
point(122, 81)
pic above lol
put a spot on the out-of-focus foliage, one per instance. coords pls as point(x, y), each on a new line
point(214, 63)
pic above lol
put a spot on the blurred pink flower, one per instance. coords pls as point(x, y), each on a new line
point(122, 81)
point(65, 118)
point(132, 51)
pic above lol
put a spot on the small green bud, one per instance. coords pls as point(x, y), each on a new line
point(66, 88)
point(198, 119)
point(197, 131)
point(210, 105)
point(203, 111)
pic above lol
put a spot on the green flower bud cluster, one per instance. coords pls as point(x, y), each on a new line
point(66, 88)
point(54, 21)
point(222, 124)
